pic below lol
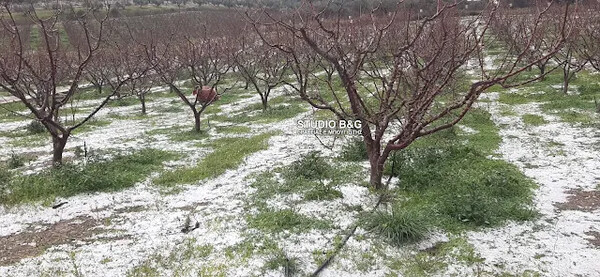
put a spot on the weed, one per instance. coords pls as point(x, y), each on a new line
point(15, 161)
point(234, 130)
point(35, 127)
point(282, 261)
point(311, 166)
point(354, 151)
point(403, 224)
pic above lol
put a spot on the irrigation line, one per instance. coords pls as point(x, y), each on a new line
point(341, 245)
point(353, 228)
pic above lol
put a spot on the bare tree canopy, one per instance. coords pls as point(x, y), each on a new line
point(401, 75)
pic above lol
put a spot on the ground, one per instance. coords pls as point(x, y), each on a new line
point(256, 215)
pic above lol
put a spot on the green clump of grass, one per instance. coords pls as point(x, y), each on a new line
point(437, 258)
point(275, 221)
point(177, 134)
point(534, 120)
point(466, 186)
point(403, 224)
point(35, 127)
point(234, 129)
point(311, 166)
point(280, 261)
point(228, 153)
point(311, 176)
point(120, 172)
point(354, 151)
point(458, 187)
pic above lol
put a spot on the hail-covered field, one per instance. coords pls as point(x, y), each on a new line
point(251, 195)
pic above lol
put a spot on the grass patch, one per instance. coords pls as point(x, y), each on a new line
point(273, 114)
point(228, 153)
point(177, 261)
point(452, 186)
point(463, 187)
point(14, 111)
point(437, 258)
point(274, 221)
point(534, 120)
point(177, 134)
point(403, 224)
point(234, 130)
point(125, 102)
point(354, 151)
point(120, 172)
point(311, 176)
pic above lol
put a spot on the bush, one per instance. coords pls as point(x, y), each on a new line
point(355, 151)
point(403, 224)
point(35, 127)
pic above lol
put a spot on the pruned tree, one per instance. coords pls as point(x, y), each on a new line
point(186, 51)
point(515, 28)
point(262, 66)
point(47, 78)
point(395, 73)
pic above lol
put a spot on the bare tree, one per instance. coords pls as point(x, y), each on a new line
point(394, 72)
point(191, 50)
point(515, 29)
point(262, 66)
point(47, 78)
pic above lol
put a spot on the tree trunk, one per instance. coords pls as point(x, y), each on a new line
point(566, 80)
point(377, 161)
point(264, 100)
point(542, 72)
point(143, 101)
point(376, 173)
point(58, 148)
point(197, 121)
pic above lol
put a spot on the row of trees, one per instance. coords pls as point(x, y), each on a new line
point(581, 50)
point(395, 71)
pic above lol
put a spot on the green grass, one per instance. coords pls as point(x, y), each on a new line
point(447, 185)
point(437, 258)
point(228, 153)
point(534, 120)
point(177, 134)
point(120, 172)
point(354, 151)
point(275, 221)
point(572, 108)
point(403, 224)
point(125, 102)
point(273, 114)
point(8, 110)
point(311, 176)
point(177, 261)
point(234, 130)
point(459, 184)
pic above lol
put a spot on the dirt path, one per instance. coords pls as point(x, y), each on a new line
point(563, 160)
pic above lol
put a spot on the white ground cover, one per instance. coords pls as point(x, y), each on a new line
point(141, 226)
point(558, 157)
